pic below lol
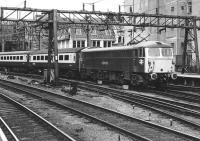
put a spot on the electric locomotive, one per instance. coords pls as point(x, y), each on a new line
point(141, 64)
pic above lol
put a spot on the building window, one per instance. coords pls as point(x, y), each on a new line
point(96, 43)
point(182, 7)
point(172, 9)
point(119, 39)
point(172, 44)
point(82, 43)
point(94, 32)
point(78, 31)
point(107, 43)
point(78, 43)
point(74, 44)
point(189, 8)
point(108, 32)
point(104, 43)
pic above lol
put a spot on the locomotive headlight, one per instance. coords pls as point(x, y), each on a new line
point(153, 76)
point(174, 76)
point(149, 63)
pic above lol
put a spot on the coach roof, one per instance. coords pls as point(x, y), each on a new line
point(14, 53)
point(66, 50)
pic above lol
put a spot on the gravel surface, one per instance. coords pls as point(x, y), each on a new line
point(93, 132)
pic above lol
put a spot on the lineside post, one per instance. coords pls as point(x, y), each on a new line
point(185, 47)
point(50, 48)
point(196, 45)
point(55, 43)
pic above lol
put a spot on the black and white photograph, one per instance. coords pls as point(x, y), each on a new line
point(99, 70)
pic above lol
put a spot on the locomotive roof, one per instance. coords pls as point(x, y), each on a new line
point(14, 52)
point(147, 44)
point(66, 50)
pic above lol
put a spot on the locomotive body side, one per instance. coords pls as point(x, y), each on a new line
point(140, 64)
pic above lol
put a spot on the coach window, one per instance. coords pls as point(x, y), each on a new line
point(21, 57)
point(17, 57)
point(10, 57)
point(60, 57)
point(34, 57)
point(4, 57)
point(66, 57)
point(46, 57)
point(42, 57)
point(38, 57)
point(14, 57)
point(7, 57)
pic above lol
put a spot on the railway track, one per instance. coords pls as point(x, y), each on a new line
point(132, 126)
point(186, 113)
point(20, 123)
point(183, 87)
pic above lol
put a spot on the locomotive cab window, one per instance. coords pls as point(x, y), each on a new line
point(166, 52)
point(34, 57)
point(21, 57)
point(154, 52)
